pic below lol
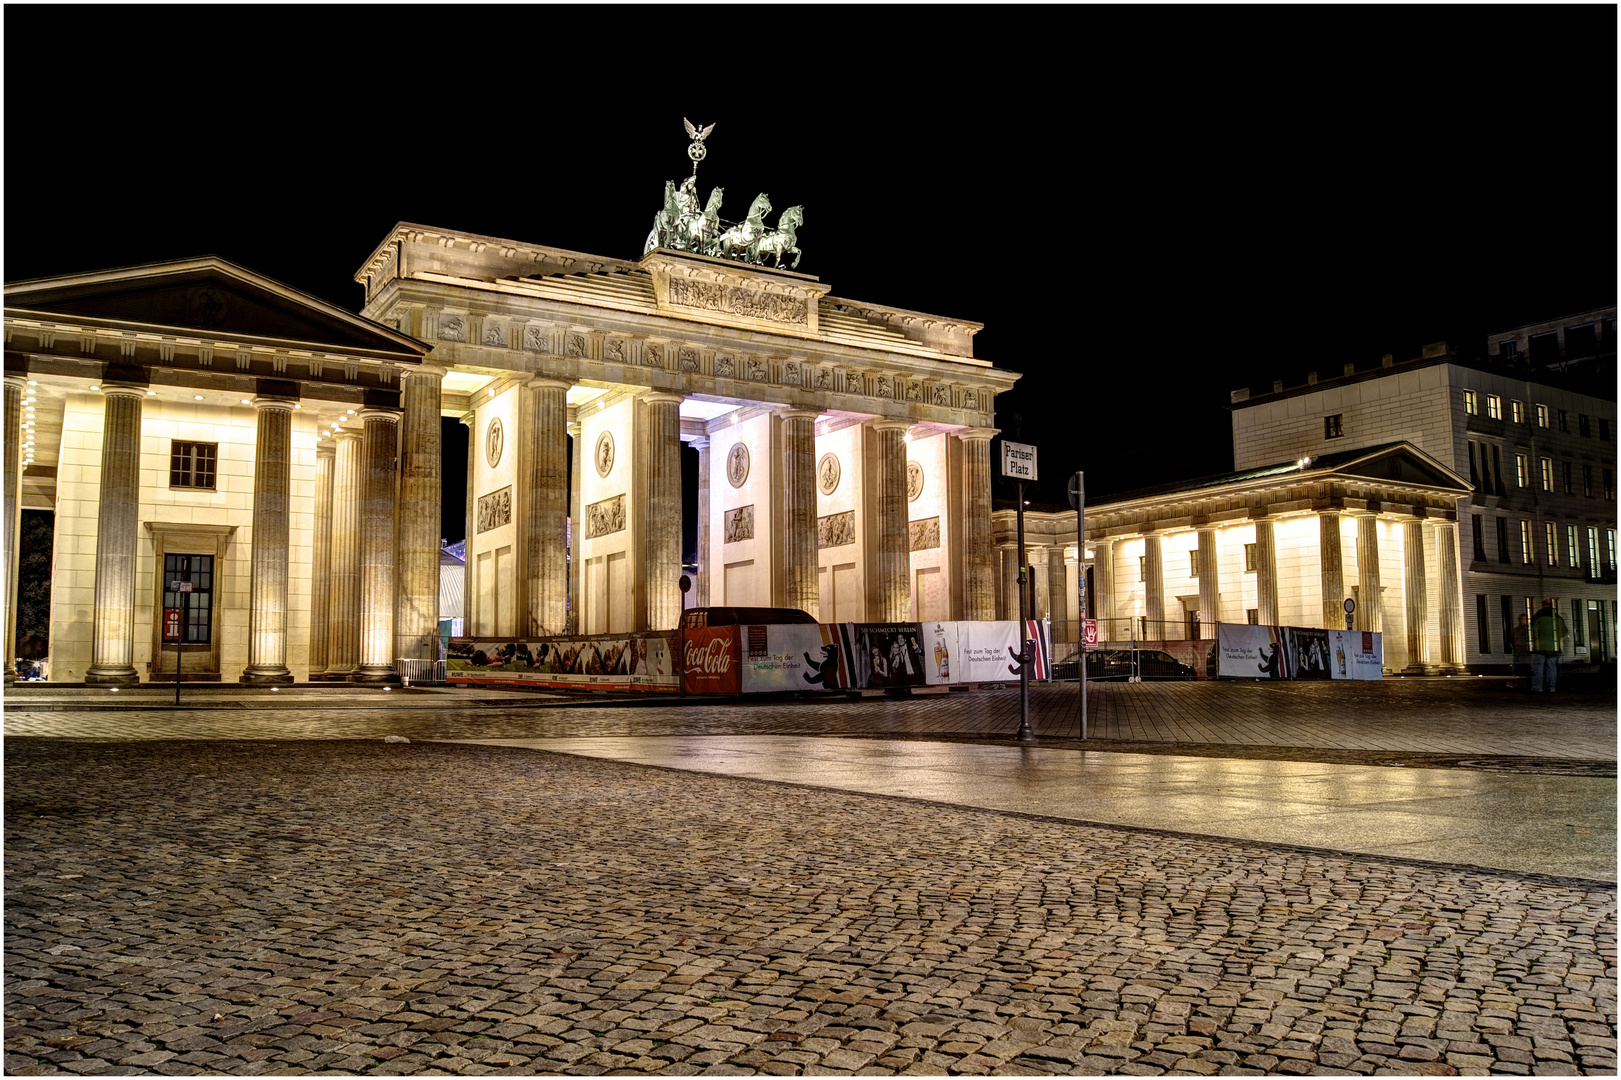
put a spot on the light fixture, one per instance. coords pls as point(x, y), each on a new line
point(247, 401)
point(31, 383)
point(95, 388)
point(151, 393)
point(196, 397)
point(297, 406)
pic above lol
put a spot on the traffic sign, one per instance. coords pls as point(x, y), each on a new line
point(1075, 492)
point(1018, 461)
point(1089, 635)
point(180, 586)
point(171, 624)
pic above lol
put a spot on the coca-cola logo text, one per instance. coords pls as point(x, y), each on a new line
point(712, 658)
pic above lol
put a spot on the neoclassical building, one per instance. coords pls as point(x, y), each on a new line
point(264, 469)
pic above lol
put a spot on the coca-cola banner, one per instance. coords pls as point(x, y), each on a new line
point(643, 662)
point(712, 661)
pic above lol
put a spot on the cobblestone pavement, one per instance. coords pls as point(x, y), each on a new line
point(301, 906)
point(1455, 721)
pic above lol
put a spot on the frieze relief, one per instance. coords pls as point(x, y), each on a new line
point(756, 369)
point(614, 351)
point(452, 328)
point(914, 481)
point(854, 383)
point(494, 336)
point(836, 530)
point(824, 379)
point(739, 524)
point(652, 355)
point(883, 387)
point(605, 517)
point(495, 510)
point(723, 367)
point(689, 360)
point(924, 534)
point(537, 340)
point(942, 395)
point(790, 374)
point(827, 474)
point(735, 300)
point(913, 392)
point(575, 349)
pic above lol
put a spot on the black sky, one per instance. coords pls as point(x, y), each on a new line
point(1146, 206)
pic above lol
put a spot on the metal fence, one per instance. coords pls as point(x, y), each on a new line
point(420, 672)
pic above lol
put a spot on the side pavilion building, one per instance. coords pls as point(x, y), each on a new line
point(268, 465)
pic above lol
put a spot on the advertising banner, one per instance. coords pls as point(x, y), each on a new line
point(640, 662)
point(1307, 652)
point(940, 649)
point(889, 654)
point(779, 658)
point(829, 657)
point(1358, 654)
point(1292, 652)
point(984, 650)
point(1251, 652)
point(712, 660)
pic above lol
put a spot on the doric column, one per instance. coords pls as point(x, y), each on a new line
point(979, 553)
point(416, 609)
point(13, 511)
point(469, 567)
point(1417, 603)
point(1040, 583)
point(576, 529)
point(548, 506)
point(799, 552)
point(1450, 598)
point(112, 656)
point(321, 563)
point(1332, 569)
point(267, 568)
point(343, 622)
point(701, 592)
point(662, 522)
point(378, 484)
point(1266, 573)
point(1209, 584)
point(891, 591)
point(1007, 600)
point(1369, 603)
point(1153, 586)
point(1103, 588)
point(1058, 594)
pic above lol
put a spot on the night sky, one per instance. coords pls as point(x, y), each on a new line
point(1147, 207)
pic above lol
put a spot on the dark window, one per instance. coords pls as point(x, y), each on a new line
point(1508, 352)
point(1564, 420)
point(191, 464)
point(1483, 627)
point(1587, 480)
point(1581, 341)
point(1577, 619)
point(1603, 429)
point(1253, 615)
point(1545, 349)
point(1502, 540)
point(1497, 471)
point(1193, 562)
point(1249, 557)
point(1609, 484)
point(1334, 426)
point(1474, 477)
point(1480, 539)
point(1142, 569)
point(1564, 476)
point(196, 605)
point(1508, 624)
point(1584, 426)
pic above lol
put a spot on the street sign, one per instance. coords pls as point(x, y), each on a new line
point(180, 586)
point(1089, 635)
point(1349, 605)
point(1018, 461)
point(1075, 492)
point(171, 624)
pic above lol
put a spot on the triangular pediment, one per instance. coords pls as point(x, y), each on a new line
point(1396, 463)
point(208, 296)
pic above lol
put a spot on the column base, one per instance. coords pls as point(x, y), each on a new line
point(268, 678)
point(111, 678)
point(376, 677)
point(330, 676)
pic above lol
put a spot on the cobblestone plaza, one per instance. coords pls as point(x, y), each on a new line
point(262, 886)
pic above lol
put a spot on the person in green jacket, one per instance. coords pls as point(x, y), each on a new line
point(1547, 642)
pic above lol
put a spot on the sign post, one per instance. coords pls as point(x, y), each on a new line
point(1350, 607)
point(1019, 463)
point(174, 629)
point(1077, 500)
point(681, 631)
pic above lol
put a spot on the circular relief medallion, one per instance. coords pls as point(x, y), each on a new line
point(493, 442)
point(604, 453)
point(737, 464)
point(827, 474)
point(914, 481)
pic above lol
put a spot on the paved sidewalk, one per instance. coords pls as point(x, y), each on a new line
point(353, 906)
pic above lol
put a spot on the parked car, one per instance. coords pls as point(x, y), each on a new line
point(1115, 664)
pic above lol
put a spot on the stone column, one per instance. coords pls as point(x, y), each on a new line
point(378, 484)
point(469, 568)
point(701, 591)
point(1103, 588)
point(979, 553)
point(1332, 569)
point(1266, 573)
point(662, 521)
point(1451, 598)
point(576, 530)
point(548, 506)
point(799, 552)
point(421, 487)
point(1369, 604)
point(1417, 603)
point(13, 511)
point(1040, 583)
point(1153, 586)
point(112, 650)
point(1058, 595)
point(267, 573)
point(892, 591)
point(343, 621)
point(321, 563)
point(1209, 584)
point(1007, 607)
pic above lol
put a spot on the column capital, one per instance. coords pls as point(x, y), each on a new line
point(468, 419)
point(324, 450)
point(660, 397)
point(986, 433)
point(902, 426)
point(345, 435)
point(17, 379)
point(281, 404)
point(376, 412)
point(541, 383)
point(123, 390)
point(792, 413)
point(438, 371)
point(699, 443)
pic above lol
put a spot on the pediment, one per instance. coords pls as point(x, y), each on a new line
point(1402, 463)
point(208, 296)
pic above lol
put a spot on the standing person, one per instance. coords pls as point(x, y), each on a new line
point(1547, 642)
point(1521, 636)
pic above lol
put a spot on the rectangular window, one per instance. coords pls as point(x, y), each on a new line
point(1480, 538)
point(1470, 404)
point(1525, 543)
point(1502, 540)
point(1334, 426)
point(1577, 611)
point(1564, 420)
point(1564, 478)
point(1483, 626)
point(1522, 470)
point(1587, 480)
point(1474, 477)
point(191, 464)
point(1584, 426)
point(1508, 351)
point(1551, 534)
point(1518, 411)
point(1604, 429)
point(1497, 471)
point(1542, 416)
point(1253, 615)
point(195, 606)
point(1611, 563)
point(1249, 557)
point(1547, 474)
point(1592, 552)
point(1193, 562)
point(1494, 406)
point(1508, 623)
point(1609, 484)
point(1142, 568)
point(1573, 551)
